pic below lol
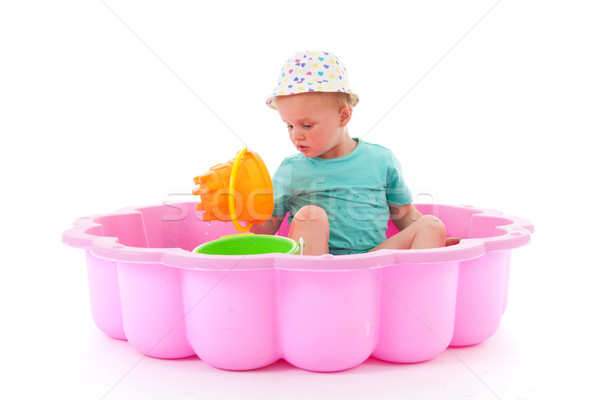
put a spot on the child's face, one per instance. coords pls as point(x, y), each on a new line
point(316, 124)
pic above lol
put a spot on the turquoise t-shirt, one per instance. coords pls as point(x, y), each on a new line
point(355, 191)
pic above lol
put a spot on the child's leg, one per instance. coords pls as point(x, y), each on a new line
point(312, 225)
point(425, 233)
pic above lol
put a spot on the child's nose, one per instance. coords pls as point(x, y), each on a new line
point(297, 134)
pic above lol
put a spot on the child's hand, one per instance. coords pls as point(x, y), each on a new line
point(451, 241)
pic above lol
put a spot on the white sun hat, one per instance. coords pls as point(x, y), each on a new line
point(312, 71)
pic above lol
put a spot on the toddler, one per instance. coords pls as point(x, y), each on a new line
point(340, 191)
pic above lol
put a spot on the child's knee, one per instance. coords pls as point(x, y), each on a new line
point(313, 214)
point(433, 225)
point(312, 225)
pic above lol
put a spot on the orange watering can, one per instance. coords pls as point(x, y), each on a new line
point(237, 190)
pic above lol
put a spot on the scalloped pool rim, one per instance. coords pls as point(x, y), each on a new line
point(84, 234)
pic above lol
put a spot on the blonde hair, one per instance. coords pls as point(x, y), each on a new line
point(343, 99)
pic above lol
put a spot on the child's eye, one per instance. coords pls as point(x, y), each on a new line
point(307, 126)
point(289, 126)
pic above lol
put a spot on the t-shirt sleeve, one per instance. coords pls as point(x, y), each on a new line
point(281, 188)
point(396, 190)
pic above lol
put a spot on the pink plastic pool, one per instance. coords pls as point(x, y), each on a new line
point(326, 313)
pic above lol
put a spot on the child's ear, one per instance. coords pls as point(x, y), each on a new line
point(345, 115)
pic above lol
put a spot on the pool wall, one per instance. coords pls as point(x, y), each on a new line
point(319, 313)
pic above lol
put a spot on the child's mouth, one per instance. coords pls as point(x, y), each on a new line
point(302, 149)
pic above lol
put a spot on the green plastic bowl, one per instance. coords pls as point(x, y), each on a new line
point(239, 245)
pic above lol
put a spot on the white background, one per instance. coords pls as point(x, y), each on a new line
point(106, 105)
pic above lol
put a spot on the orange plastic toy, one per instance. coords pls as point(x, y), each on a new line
point(238, 190)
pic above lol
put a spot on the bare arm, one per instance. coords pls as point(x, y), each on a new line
point(404, 215)
point(269, 227)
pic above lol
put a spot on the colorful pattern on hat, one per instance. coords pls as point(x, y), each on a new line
point(312, 71)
